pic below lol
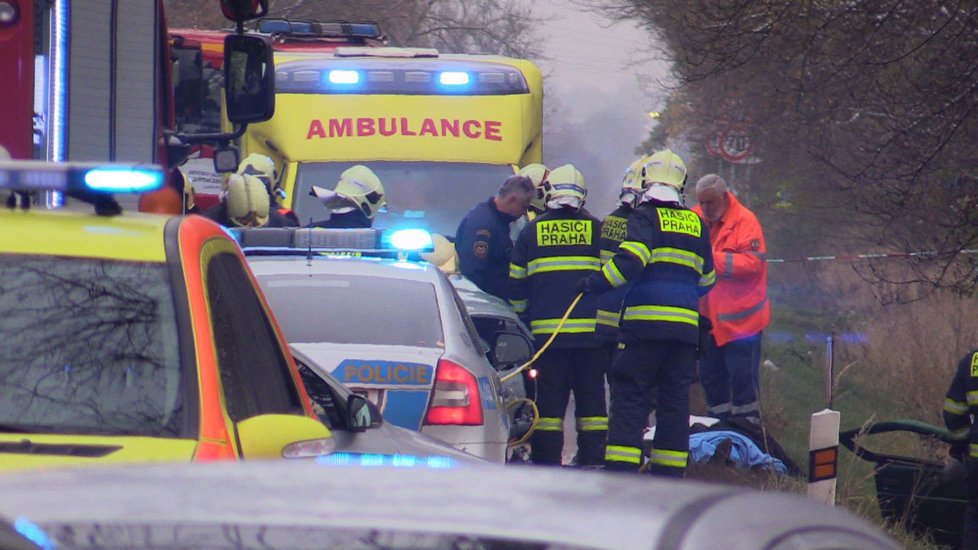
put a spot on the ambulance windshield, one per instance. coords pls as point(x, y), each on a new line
point(435, 195)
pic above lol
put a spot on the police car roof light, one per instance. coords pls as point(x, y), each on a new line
point(79, 177)
point(412, 240)
point(123, 179)
point(343, 242)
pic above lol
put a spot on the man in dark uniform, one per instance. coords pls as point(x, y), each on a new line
point(613, 230)
point(482, 240)
point(666, 254)
point(959, 409)
point(551, 254)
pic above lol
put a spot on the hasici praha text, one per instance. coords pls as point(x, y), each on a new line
point(563, 232)
point(679, 221)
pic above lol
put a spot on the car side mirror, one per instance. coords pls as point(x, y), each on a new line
point(249, 78)
point(360, 414)
point(509, 348)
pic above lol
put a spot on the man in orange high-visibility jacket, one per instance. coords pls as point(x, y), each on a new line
point(738, 308)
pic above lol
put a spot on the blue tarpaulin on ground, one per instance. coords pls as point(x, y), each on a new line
point(743, 451)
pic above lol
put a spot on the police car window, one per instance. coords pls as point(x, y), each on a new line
point(475, 339)
point(254, 372)
point(436, 195)
point(323, 399)
point(89, 346)
point(355, 310)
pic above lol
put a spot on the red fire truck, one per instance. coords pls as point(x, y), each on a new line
point(92, 80)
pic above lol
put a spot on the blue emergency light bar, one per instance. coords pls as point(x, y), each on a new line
point(398, 76)
point(350, 30)
point(399, 243)
point(30, 175)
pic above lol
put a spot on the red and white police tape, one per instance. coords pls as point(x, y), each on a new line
point(855, 257)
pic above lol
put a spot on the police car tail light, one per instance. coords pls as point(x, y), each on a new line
point(455, 400)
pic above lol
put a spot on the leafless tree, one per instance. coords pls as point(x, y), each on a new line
point(869, 108)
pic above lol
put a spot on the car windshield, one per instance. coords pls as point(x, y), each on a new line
point(435, 195)
point(357, 309)
point(89, 346)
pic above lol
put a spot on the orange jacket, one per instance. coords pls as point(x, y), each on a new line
point(737, 306)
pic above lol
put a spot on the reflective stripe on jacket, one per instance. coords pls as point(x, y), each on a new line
point(961, 401)
point(613, 230)
point(738, 307)
point(551, 255)
point(666, 256)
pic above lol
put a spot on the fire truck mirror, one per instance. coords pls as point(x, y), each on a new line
point(243, 10)
point(249, 76)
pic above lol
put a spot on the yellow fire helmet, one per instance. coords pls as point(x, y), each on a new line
point(633, 175)
point(260, 166)
point(358, 187)
point(566, 187)
point(538, 174)
point(247, 201)
point(664, 167)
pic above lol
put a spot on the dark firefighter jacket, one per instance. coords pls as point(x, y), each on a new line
point(483, 245)
point(666, 254)
point(960, 403)
point(354, 219)
point(613, 230)
point(553, 253)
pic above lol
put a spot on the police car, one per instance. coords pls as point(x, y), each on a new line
point(389, 327)
point(135, 337)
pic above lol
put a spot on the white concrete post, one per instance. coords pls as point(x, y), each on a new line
point(823, 456)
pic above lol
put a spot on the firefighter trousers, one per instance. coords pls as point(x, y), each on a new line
point(560, 371)
point(730, 376)
point(648, 372)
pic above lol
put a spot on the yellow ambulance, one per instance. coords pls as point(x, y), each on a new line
point(441, 131)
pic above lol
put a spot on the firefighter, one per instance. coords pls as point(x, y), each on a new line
point(613, 229)
point(538, 174)
point(737, 309)
point(355, 201)
point(263, 168)
point(551, 254)
point(666, 256)
point(960, 408)
point(245, 204)
point(482, 239)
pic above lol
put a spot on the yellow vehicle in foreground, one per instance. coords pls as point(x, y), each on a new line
point(441, 131)
point(136, 337)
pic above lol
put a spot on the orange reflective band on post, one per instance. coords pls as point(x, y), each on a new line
point(822, 464)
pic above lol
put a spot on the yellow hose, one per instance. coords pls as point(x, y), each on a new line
point(546, 344)
point(533, 425)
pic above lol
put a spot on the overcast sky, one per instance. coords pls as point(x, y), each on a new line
point(596, 110)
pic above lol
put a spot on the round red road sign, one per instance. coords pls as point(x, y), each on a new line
point(734, 145)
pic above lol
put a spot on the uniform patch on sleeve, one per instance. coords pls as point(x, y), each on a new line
point(483, 233)
point(974, 365)
point(755, 245)
point(480, 249)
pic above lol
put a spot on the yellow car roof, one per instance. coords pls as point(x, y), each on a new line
point(136, 237)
